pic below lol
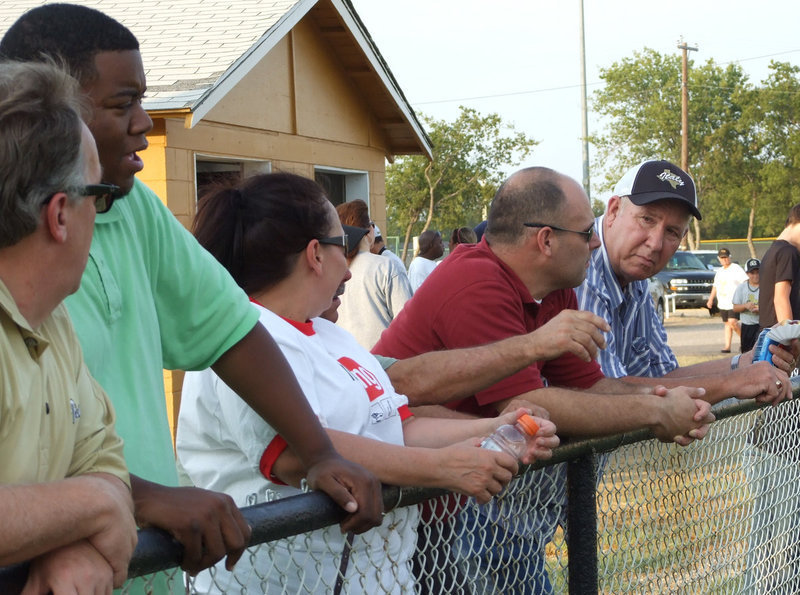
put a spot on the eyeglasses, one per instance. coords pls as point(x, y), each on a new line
point(104, 195)
point(587, 235)
point(336, 241)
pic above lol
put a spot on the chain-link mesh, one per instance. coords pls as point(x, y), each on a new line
point(719, 516)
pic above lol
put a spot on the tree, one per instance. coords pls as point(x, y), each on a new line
point(780, 134)
point(598, 207)
point(455, 187)
point(640, 105)
point(744, 140)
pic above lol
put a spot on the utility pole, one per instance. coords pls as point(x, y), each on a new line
point(685, 48)
point(584, 111)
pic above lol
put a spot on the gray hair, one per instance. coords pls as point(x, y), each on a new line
point(530, 195)
point(40, 143)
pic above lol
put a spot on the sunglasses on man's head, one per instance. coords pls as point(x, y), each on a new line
point(104, 195)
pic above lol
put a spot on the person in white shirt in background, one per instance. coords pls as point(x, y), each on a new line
point(431, 248)
point(725, 282)
point(379, 287)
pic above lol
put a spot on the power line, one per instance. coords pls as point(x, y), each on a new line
point(565, 87)
point(505, 94)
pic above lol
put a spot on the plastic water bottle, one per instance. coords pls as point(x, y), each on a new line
point(512, 438)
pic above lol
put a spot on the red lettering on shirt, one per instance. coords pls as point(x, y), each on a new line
point(370, 382)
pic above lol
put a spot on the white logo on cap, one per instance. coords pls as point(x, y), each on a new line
point(673, 179)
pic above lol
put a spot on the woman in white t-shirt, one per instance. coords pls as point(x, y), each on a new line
point(283, 243)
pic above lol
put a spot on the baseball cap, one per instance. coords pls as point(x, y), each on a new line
point(751, 264)
point(377, 230)
point(724, 252)
point(654, 180)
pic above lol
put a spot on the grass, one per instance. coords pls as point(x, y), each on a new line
point(690, 360)
point(670, 519)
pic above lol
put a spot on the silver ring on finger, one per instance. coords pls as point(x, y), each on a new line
point(779, 384)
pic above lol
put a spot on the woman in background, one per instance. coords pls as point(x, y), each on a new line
point(462, 235)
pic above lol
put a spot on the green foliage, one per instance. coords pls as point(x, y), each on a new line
point(598, 207)
point(455, 187)
point(744, 140)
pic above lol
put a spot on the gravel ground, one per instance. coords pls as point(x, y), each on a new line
point(695, 336)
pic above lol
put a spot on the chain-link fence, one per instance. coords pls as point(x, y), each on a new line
point(719, 516)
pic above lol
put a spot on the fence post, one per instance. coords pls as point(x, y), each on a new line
point(582, 524)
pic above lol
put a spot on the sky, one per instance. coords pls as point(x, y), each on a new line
point(521, 58)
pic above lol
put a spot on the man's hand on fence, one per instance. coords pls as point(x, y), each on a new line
point(115, 536)
point(207, 524)
point(74, 568)
point(684, 415)
point(353, 488)
point(762, 381)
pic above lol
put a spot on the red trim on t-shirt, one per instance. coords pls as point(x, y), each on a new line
point(307, 327)
point(274, 449)
point(404, 412)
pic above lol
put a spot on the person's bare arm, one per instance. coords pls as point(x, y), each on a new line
point(39, 518)
point(257, 371)
point(783, 305)
point(674, 416)
point(442, 376)
point(207, 524)
point(710, 302)
point(74, 568)
point(759, 380)
point(439, 411)
point(461, 467)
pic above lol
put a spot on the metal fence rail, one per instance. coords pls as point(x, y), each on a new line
point(719, 516)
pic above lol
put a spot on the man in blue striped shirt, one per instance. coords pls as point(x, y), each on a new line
point(644, 223)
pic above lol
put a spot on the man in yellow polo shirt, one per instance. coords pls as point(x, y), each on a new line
point(64, 487)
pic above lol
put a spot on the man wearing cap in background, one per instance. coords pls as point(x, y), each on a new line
point(379, 247)
point(645, 221)
point(727, 279)
point(745, 303)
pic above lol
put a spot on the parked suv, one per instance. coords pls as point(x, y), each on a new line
point(708, 258)
point(688, 278)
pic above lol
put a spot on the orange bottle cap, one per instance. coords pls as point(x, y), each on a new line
point(528, 424)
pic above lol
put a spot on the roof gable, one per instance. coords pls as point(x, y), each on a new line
point(195, 52)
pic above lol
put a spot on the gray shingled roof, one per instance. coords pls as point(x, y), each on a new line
point(186, 44)
point(195, 51)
